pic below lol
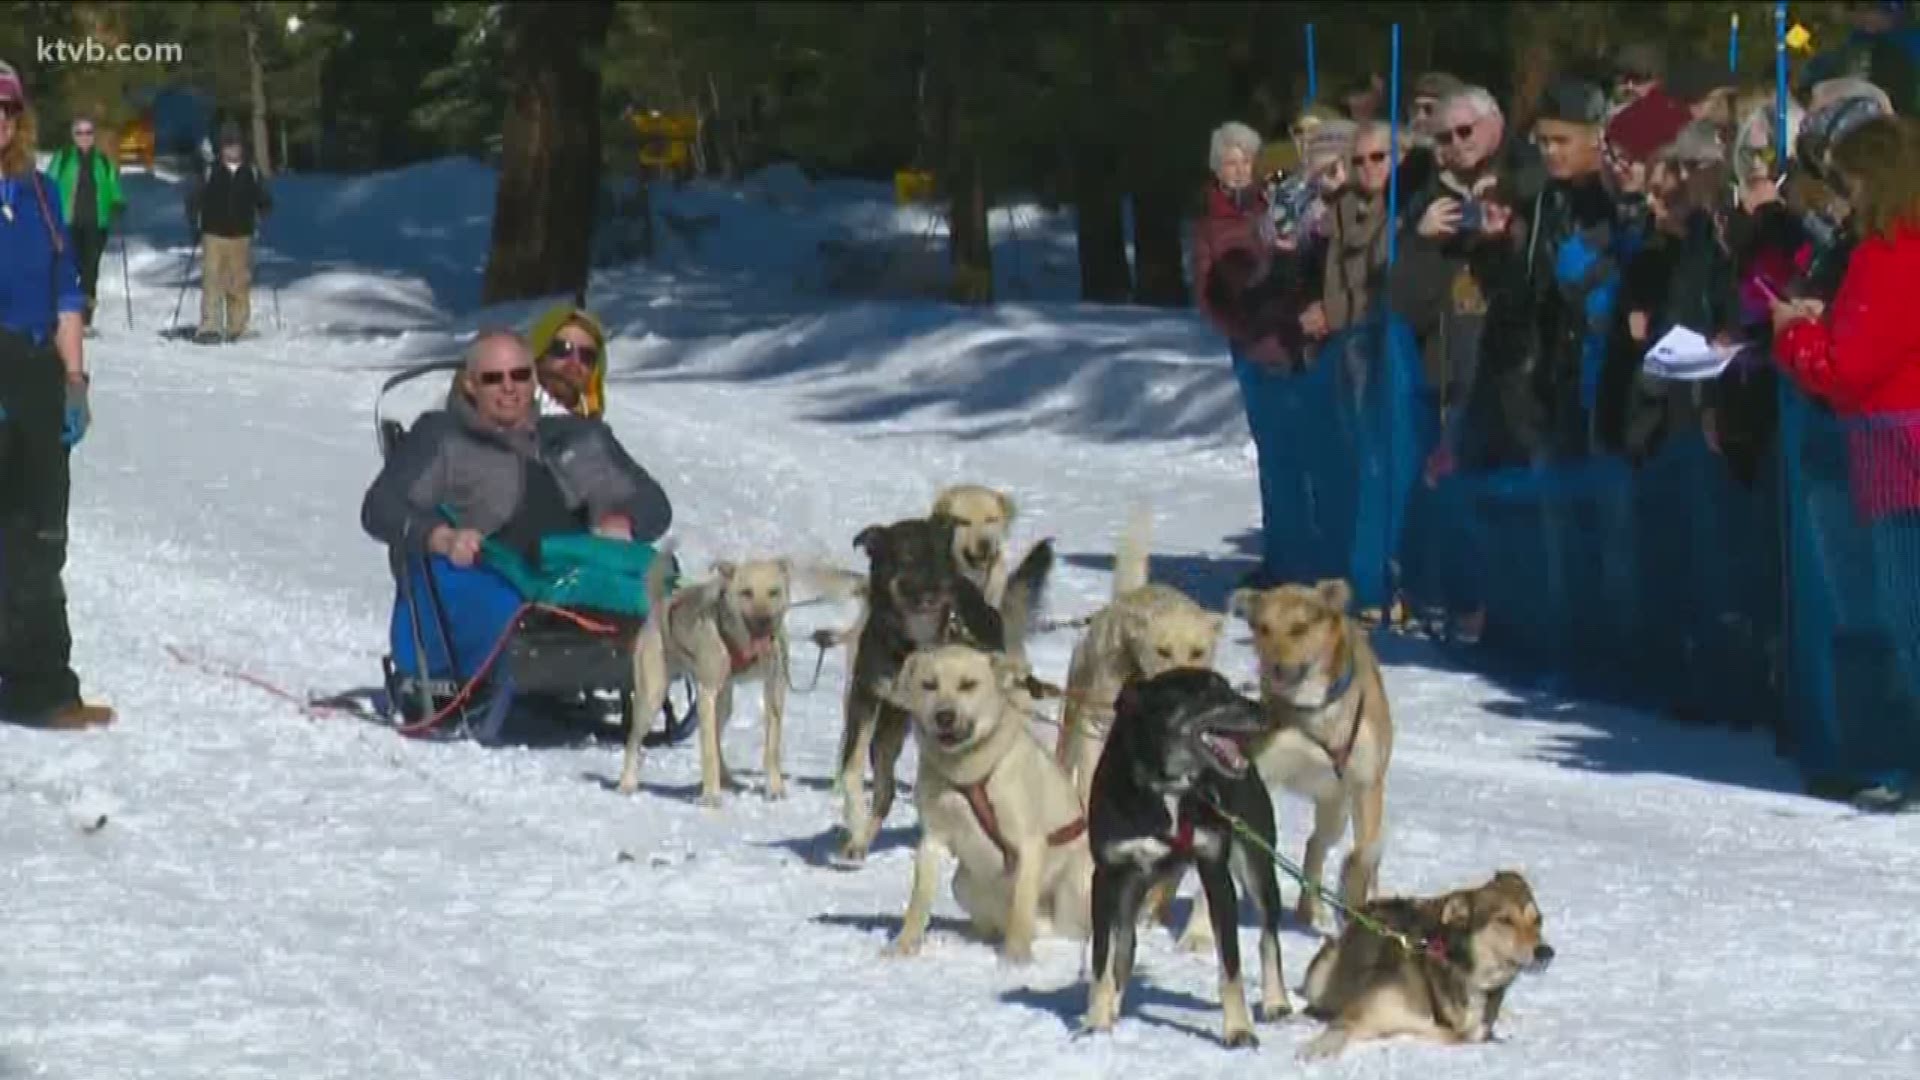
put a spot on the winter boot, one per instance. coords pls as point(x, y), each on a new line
point(78, 716)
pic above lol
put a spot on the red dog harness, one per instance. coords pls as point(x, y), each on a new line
point(982, 808)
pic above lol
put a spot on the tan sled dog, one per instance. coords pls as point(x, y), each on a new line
point(1331, 736)
point(982, 519)
point(724, 631)
point(989, 794)
point(1145, 629)
point(1469, 947)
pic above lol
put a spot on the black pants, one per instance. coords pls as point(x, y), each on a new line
point(36, 645)
point(89, 243)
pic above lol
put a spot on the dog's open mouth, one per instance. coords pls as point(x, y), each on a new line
point(1223, 752)
point(980, 560)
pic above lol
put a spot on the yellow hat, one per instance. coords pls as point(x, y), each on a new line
point(593, 402)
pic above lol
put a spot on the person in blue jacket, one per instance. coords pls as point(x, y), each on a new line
point(43, 414)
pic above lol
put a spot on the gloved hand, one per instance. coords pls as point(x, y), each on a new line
point(78, 416)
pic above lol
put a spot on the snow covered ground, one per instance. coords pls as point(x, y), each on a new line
point(273, 895)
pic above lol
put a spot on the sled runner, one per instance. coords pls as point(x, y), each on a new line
point(554, 651)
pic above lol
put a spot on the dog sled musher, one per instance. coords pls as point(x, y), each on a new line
point(547, 645)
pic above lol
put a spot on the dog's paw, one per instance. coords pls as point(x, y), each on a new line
point(1090, 1027)
point(1272, 1012)
point(1016, 953)
point(710, 800)
point(628, 784)
point(1324, 1046)
point(1243, 1039)
point(851, 854)
point(775, 791)
point(903, 947)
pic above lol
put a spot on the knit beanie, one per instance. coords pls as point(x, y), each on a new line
point(1647, 126)
point(11, 88)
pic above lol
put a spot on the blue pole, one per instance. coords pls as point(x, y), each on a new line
point(1313, 69)
point(1780, 85)
point(1733, 43)
point(1393, 152)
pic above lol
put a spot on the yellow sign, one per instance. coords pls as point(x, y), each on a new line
point(666, 139)
point(136, 142)
point(912, 186)
point(1799, 39)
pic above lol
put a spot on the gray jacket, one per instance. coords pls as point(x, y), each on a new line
point(451, 458)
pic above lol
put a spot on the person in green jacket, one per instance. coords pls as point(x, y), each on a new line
point(89, 183)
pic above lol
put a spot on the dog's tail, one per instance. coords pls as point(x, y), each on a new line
point(1025, 596)
point(1130, 557)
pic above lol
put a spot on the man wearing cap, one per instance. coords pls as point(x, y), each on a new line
point(1548, 388)
point(43, 414)
point(224, 207)
point(90, 190)
point(1639, 70)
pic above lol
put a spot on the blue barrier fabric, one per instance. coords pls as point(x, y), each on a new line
point(1855, 548)
point(476, 606)
point(1792, 602)
point(1339, 457)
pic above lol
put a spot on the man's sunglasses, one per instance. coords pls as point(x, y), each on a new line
point(1445, 137)
point(495, 378)
point(83, 133)
point(1375, 158)
point(562, 349)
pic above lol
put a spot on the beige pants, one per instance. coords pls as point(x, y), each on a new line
point(226, 276)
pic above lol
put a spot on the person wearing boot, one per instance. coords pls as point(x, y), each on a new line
point(89, 185)
point(225, 206)
point(43, 414)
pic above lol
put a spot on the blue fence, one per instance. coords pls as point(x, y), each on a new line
point(1791, 602)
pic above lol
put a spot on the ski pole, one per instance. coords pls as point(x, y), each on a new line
point(126, 279)
point(185, 279)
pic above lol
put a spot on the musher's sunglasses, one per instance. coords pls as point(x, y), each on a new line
point(495, 378)
point(562, 349)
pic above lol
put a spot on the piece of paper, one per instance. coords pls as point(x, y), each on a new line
point(1684, 355)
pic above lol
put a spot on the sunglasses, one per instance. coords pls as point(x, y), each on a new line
point(562, 349)
point(1446, 136)
point(1376, 158)
point(495, 378)
point(83, 133)
point(12, 107)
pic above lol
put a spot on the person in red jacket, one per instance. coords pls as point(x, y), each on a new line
point(1861, 355)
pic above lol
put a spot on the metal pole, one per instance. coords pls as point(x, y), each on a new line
point(1780, 85)
point(1733, 42)
point(1313, 69)
point(1393, 151)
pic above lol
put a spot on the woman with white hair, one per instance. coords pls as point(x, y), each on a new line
point(1249, 282)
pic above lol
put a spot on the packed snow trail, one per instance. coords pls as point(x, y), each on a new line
point(276, 895)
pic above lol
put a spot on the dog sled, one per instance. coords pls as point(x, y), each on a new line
point(564, 658)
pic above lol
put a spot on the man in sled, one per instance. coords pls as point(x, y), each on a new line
point(503, 474)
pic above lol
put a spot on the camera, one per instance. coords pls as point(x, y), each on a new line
point(1473, 216)
point(1290, 201)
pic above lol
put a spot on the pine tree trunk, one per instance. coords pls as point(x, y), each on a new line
point(550, 152)
point(1101, 230)
point(971, 238)
point(257, 86)
point(1159, 262)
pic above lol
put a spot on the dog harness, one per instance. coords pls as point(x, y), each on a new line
point(982, 807)
point(1334, 693)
